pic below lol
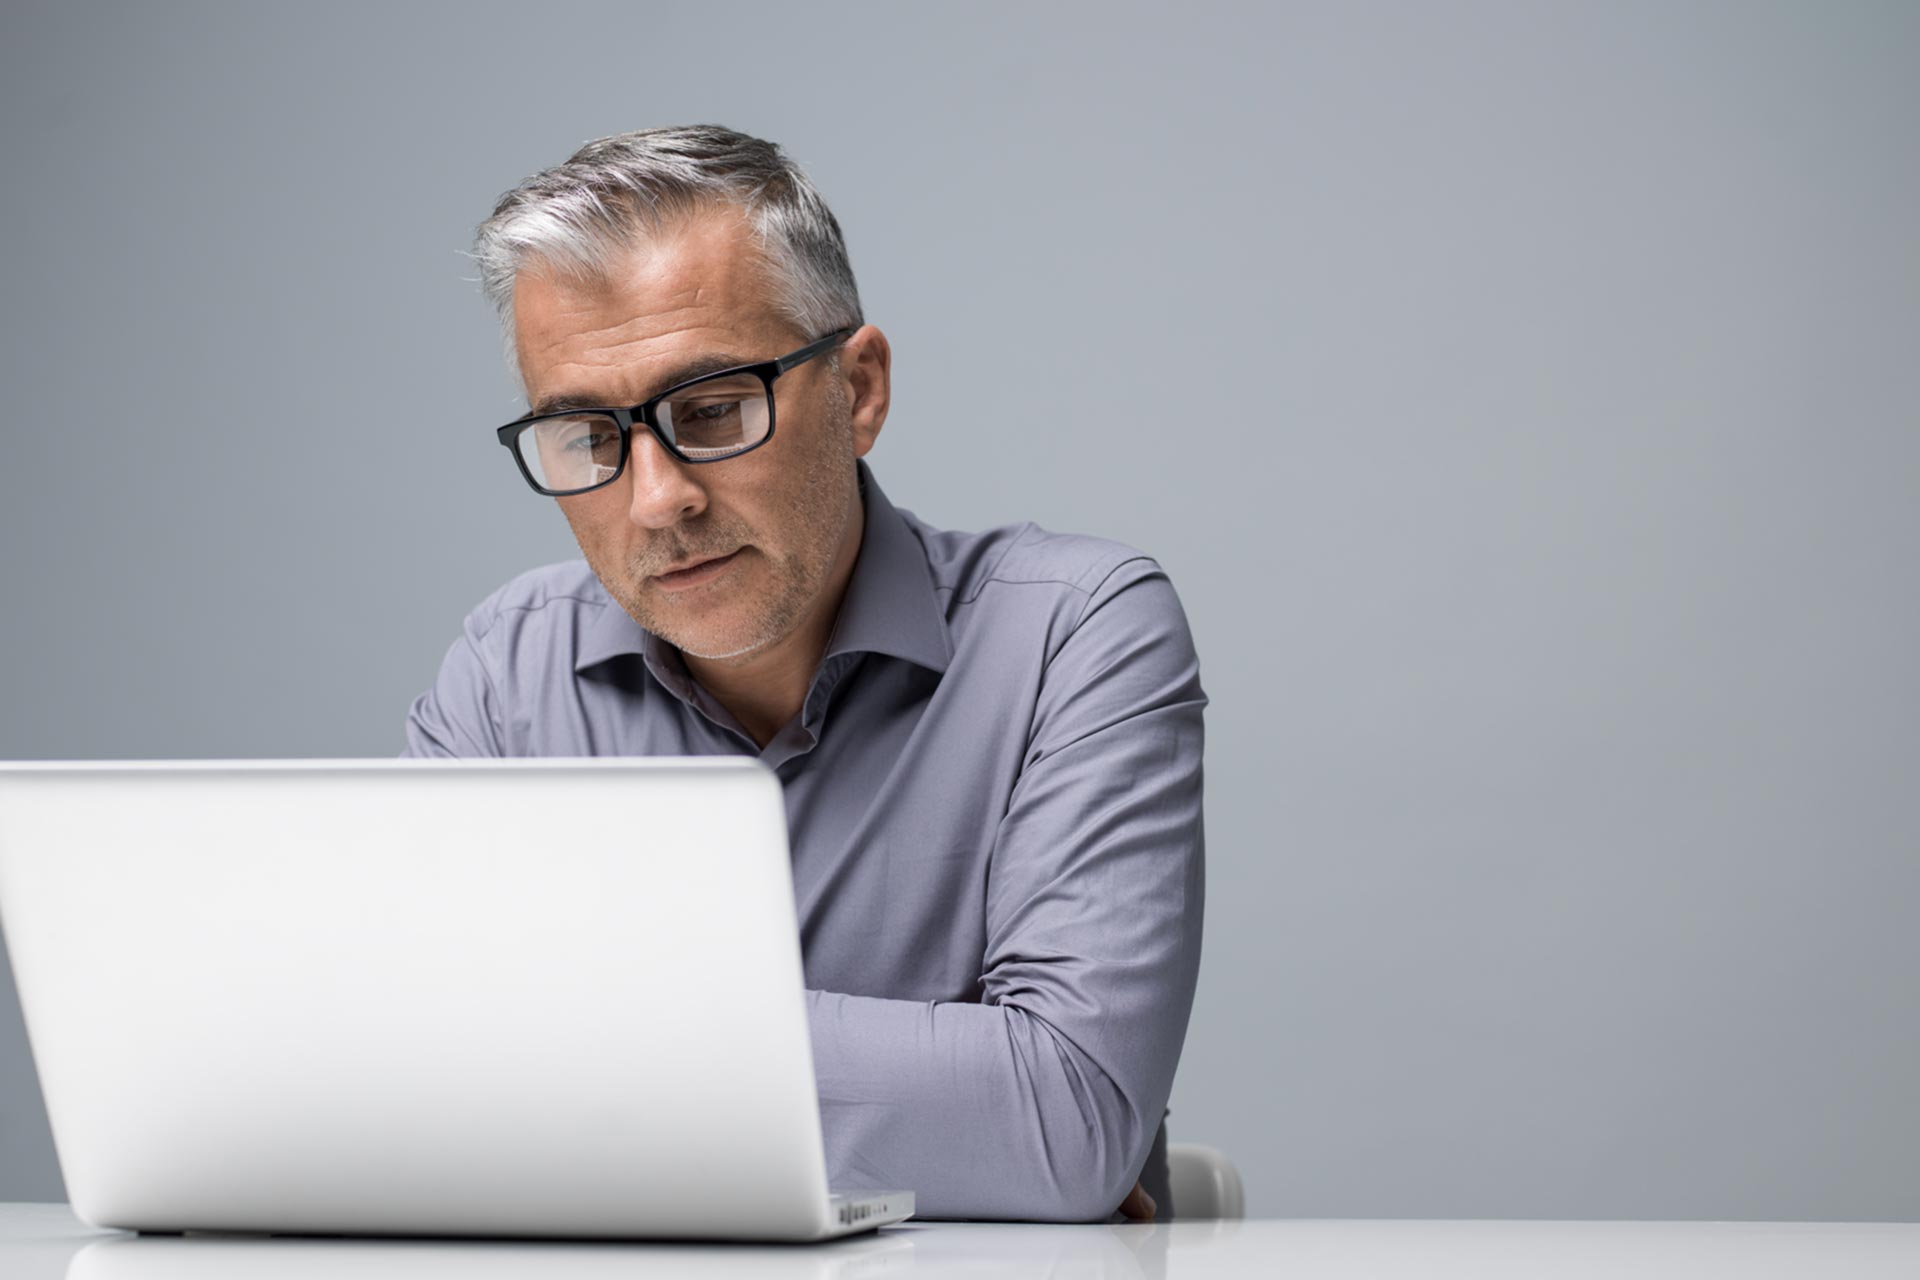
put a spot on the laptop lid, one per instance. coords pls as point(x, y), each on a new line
point(513, 998)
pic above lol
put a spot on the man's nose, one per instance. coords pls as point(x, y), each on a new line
point(664, 492)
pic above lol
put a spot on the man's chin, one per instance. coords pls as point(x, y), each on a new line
point(711, 639)
point(706, 653)
point(711, 622)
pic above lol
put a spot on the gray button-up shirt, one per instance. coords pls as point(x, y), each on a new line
point(993, 797)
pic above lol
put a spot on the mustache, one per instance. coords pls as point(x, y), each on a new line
point(672, 548)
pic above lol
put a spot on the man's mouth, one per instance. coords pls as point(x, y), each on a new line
point(698, 571)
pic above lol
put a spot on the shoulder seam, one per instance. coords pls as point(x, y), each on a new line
point(998, 560)
point(1106, 578)
point(993, 574)
point(1073, 584)
point(494, 617)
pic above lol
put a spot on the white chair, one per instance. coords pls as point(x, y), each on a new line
point(1204, 1182)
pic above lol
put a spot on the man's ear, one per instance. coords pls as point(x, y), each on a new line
point(866, 362)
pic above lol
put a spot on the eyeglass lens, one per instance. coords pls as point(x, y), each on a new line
point(574, 452)
point(708, 420)
point(715, 418)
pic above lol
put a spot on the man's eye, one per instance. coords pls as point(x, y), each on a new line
point(591, 441)
point(718, 411)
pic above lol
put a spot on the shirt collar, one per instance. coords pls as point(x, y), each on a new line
point(890, 607)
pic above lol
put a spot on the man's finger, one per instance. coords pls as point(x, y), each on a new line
point(1138, 1205)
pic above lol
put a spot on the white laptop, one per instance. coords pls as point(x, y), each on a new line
point(526, 998)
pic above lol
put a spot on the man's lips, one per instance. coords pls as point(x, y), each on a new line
point(695, 568)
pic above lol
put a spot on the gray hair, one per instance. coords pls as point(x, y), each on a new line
point(613, 193)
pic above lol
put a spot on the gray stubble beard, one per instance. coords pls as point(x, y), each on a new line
point(831, 467)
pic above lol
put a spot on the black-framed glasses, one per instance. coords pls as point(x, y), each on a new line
point(705, 419)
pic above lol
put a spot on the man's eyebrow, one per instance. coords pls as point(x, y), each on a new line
point(560, 402)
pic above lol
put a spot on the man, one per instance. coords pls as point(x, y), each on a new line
point(990, 744)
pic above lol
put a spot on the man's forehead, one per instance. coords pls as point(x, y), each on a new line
point(699, 289)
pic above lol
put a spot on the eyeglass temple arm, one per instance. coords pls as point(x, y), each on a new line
point(811, 350)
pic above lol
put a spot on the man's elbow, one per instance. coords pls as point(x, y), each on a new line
point(1094, 1203)
point(1083, 1180)
point(1084, 1143)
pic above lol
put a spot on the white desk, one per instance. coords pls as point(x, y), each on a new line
point(46, 1242)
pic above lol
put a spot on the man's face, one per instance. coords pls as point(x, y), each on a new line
point(783, 515)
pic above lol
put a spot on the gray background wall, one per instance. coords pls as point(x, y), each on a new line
point(1523, 398)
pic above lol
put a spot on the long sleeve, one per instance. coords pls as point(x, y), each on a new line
point(1041, 1102)
point(458, 715)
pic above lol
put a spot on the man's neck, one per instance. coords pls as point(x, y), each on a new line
point(769, 689)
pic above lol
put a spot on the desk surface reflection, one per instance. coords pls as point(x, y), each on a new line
point(46, 1242)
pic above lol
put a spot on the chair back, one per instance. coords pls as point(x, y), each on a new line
point(1204, 1182)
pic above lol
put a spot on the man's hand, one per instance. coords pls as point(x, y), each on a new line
point(1138, 1205)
